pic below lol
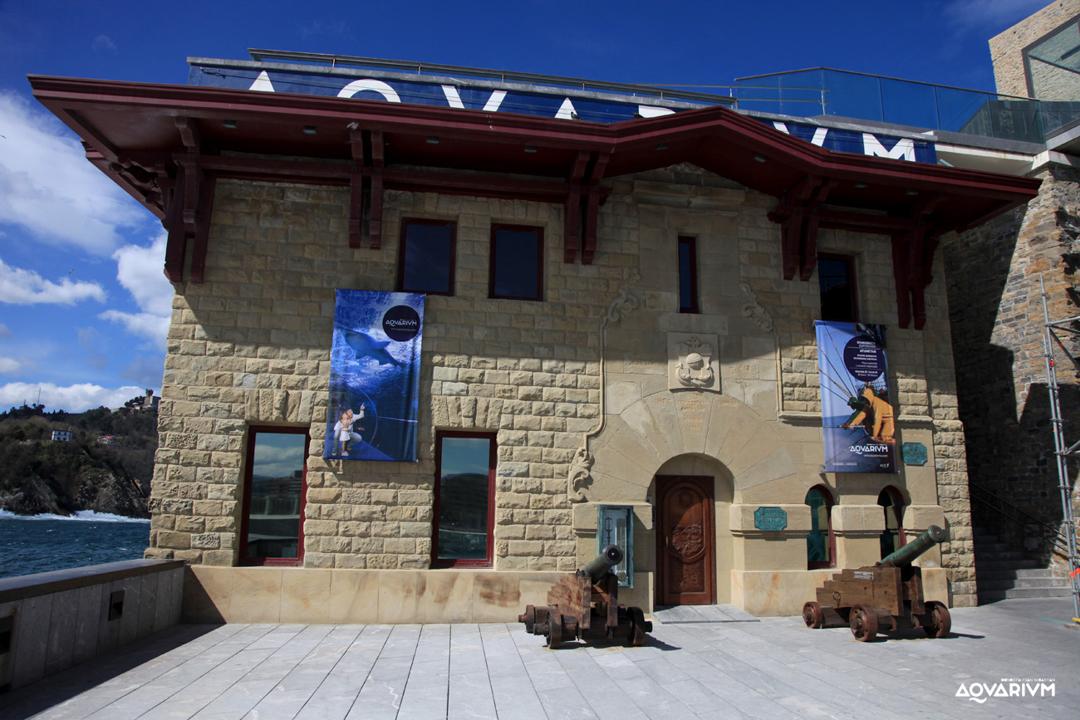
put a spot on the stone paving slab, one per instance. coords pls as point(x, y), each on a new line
point(702, 614)
point(694, 667)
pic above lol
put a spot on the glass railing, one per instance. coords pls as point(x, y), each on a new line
point(841, 93)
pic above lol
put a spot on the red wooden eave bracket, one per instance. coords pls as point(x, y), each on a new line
point(356, 189)
point(572, 209)
point(797, 215)
point(592, 206)
point(375, 212)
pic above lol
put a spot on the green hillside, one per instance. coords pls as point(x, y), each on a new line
point(105, 467)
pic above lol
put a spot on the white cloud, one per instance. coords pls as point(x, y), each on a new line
point(103, 42)
point(150, 326)
point(48, 187)
point(4, 330)
point(8, 365)
point(26, 287)
point(73, 398)
point(139, 270)
point(981, 14)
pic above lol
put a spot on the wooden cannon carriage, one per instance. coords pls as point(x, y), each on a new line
point(586, 605)
point(888, 595)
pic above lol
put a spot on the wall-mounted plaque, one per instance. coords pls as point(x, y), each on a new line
point(770, 518)
point(914, 453)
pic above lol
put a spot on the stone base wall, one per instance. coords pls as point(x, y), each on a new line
point(997, 317)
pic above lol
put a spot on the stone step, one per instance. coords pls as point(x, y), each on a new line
point(1001, 555)
point(1013, 573)
point(982, 563)
point(1002, 583)
point(1038, 592)
point(1048, 592)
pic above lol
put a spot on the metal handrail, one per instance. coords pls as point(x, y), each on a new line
point(336, 61)
point(1059, 543)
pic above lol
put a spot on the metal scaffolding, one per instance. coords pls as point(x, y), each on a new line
point(1052, 330)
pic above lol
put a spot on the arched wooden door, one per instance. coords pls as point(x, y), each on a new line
point(685, 553)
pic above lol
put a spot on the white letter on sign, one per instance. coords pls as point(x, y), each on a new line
point(904, 149)
point(819, 133)
point(453, 99)
point(262, 83)
point(359, 86)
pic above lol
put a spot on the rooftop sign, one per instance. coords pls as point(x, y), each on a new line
point(552, 100)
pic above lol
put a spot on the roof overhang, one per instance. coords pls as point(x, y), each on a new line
point(144, 136)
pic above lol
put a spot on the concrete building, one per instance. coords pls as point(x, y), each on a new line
point(649, 351)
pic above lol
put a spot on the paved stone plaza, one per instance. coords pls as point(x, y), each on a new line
point(774, 668)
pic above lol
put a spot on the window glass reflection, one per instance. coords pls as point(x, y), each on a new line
point(277, 477)
point(465, 464)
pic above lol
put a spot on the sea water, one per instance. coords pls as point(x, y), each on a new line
point(39, 543)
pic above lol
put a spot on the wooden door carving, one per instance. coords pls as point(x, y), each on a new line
point(686, 557)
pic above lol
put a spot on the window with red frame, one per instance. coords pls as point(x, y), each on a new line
point(275, 487)
point(517, 262)
point(464, 499)
point(819, 541)
point(426, 261)
point(839, 292)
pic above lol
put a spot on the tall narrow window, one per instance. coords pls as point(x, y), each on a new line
point(892, 504)
point(464, 499)
point(819, 542)
point(426, 259)
point(839, 293)
point(272, 527)
point(517, 262)
point(688, 290)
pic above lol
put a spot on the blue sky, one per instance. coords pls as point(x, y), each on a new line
point(83, 304)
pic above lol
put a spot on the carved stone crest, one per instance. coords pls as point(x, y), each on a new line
point(578, 478)
point(624, 303)
point(692, 362)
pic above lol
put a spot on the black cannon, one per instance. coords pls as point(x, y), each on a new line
point(586, 605)
point(889, 593)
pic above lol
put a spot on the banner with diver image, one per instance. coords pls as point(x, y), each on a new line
point(374, 376)
point(856, 412)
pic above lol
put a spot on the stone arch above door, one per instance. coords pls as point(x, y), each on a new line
point(637, 441)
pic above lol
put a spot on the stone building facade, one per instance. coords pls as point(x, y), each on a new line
point(249, 346)
point(588, 394)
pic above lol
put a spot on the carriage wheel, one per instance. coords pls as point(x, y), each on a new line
point(813, 615)
point(864, 623)
point(637, 626)
point(936, 622)
point(555, 631)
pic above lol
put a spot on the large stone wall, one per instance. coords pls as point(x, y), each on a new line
point(1006, 53)
point(997, 318)
point(250, 346)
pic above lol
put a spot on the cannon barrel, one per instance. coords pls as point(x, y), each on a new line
point(601, 565)
point(926, 540)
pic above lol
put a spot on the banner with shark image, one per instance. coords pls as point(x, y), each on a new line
point(857, 416)
point(374, 376)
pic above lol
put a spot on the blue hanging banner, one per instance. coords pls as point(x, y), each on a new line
point(857, 415)
point(374, 376)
